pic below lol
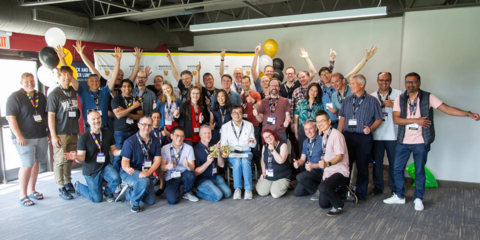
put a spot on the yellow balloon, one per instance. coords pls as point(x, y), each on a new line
point(68, 57)
point(261, 74)
point(75, 74)
point(270, 47)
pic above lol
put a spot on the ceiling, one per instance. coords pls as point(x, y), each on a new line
point(175, 16)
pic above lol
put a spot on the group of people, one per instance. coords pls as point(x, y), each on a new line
point(138, 135)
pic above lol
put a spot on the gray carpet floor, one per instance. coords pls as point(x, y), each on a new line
point(450, 213)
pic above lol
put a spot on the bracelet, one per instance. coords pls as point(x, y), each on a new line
point(222, 60)
point(366, 60)
point(467, 113)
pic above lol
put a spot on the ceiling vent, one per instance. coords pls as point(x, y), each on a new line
point(70, 20)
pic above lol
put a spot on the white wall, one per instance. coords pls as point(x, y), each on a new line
point(441, 45)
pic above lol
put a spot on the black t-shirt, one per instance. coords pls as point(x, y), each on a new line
point(62, 103)
point(103, 82)
point(287, 92)
point(121, 124)
point(153, 89)
point(19, 105)
point(279, 170)
point(86, 143)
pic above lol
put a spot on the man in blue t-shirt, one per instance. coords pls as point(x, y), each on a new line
point(309, 180)
point(141, 157)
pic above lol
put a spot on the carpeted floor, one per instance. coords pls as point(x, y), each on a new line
point(450, 213)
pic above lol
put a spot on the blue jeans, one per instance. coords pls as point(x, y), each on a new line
point(172, 188)
point(242, 165)
point(214, 190)
point(420, 153)
point(120, 138)
point(93, 189)
point(142, 188)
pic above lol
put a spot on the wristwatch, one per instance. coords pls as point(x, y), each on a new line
point(329, 164)
point(271, 150)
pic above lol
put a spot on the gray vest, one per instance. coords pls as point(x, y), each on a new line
point(425, 111)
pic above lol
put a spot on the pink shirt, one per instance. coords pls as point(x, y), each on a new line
point(415, 136)
point(336, 145)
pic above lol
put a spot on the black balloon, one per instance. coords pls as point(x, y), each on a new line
point(278, 64)
point(49, 58)
point(277, 73)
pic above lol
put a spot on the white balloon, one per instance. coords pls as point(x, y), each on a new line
point(55, 36)
point(46, 76)
point(264, 61)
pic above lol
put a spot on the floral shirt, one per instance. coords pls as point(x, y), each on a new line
point(303, 111)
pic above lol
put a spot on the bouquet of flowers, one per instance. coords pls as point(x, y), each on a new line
point(225, 151)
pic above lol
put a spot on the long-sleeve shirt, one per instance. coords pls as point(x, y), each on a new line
point(237, 137)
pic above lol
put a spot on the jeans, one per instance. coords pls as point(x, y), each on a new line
point(359, 147)
point(420, 153)
point(242, 165)
point(214, 190)
point(142, 188)
point(120, 138)
point(328, 195)
point(172, 188)
point(308, 182)
point(256, 150)
point(379, 148)
point(93, 189)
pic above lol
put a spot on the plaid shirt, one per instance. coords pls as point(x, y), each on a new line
point(299, 93)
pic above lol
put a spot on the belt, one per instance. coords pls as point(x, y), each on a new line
point(334, 121)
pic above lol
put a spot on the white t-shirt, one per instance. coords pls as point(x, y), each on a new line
point(387, 131)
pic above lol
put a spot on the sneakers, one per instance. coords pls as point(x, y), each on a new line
point(70, 188)
point(118, 189)
point(136, 209)
point(238, 194)
point(248, 195)
point(190, 197)
point(109, 197)
point(315, 196)
point(159, 192)
point(351, 196)
point(376, 191)
point(396, 200)
point(418, 204)
point(334, 212)
point(63, 193)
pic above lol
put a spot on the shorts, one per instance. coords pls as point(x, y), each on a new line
point(35, 150)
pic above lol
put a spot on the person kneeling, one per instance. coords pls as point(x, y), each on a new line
point(276, 170)
point(178, 161)
point(210, 186)
point(140, 158)
point(93, 149)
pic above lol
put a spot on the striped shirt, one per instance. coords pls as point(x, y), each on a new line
point(368, 112)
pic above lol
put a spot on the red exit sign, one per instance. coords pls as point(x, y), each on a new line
point(4, 42)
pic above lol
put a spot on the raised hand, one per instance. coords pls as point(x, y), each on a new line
point(201, 117)
point(369, 53)
point(199, 66)
point(185, 163)
point(255, 112)
point(137, 53)
point(78, 47)
point(176, 113)
point(169, 55)
point(257, 49)
point(148, 71)
point(60, 52)
point(333, 55)
point(118, 53)
point(303, 53)
point(222, 54)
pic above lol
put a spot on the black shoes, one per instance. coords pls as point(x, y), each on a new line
point(63, 193)
point(136, 209)
point(70, 188)
point(376, 191)
point(159, 192)
point(109, 197)
point(76, 188)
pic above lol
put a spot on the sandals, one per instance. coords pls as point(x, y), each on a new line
point(36, 195)
point(26, 202)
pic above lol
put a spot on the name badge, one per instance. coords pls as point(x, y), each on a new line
point(99, 112)
point(412, 126)
point(100, 157)
point(196, 130)
point(37, 118)
point(385, 116)
point(154, 106)
point(290, 101)
point(329, 105)
point(129, 120)
point(72, 114)
point(271, 120)
point(270, 172)
point(168, 122)
point(148, 164)
point(176, 174)
point(238, 155)
point(352, 123)
point(214, 171)
point(245, 115)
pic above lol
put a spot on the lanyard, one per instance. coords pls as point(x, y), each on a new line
point(273, 106)
point(386, 97)
point(196, 110)
point(325, 140)
point(341, 97)
point(263, 94)
point(145, 148)
point(412, 106)
point(99, 145)
point(235, 131)
point(168, 109)
point(157, 136)
point(140, 97)
point(329, 95)
point(310, 151)
point(130, 101)
point(310, 109)
point(238, 87)
point(95, 98)
point(359, 104)
point(33, 100)
point(289, 90)
point(222, 113)
point(175, 157)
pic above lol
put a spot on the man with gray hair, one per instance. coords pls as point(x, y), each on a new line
point(147, 98)
point(360, 115)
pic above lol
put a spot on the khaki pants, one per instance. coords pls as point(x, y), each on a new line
point(62, 167)
point(277, 188)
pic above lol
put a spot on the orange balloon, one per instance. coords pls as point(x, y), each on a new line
point(68, 58)
point(261, 74)
point(270, 47)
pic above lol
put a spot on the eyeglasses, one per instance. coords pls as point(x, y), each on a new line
point(322, 121)
point(236, 113)
point(412, 82)
point(384, 80)
point(207, 79)
point(141, 77)
point(268, 136)
point(274, 86)
point(179, 136)
point(146, 125)
point(323, 75)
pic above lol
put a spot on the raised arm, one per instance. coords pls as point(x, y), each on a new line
point(79, 48)
point(453, 111)
point(174, 69)
point(197, 77)
point(138, 56)
point(368, 54)
point(222, 63)
point(116, 68)
point(311, 68)
point(61, 54)
point(254, 63)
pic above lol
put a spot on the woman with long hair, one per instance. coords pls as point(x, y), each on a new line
point(191, 114)
point(220, 114)
point(167, 105)
point(305, 110)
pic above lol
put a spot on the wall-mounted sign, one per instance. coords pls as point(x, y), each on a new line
point(4, 40)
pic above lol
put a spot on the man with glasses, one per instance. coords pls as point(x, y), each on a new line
point(413, 113)
point(141, 157)
point(286, 91)
point(147, 98)
point(157, 86)
point(385, 136)
point(27, 119)
point(93, 150)
point(208, 92)
point(178, 161)
point(240, 137)
point(184, 79)
point(237, 74)
point(274, 111)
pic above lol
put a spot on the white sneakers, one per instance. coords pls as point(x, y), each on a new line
point(248, 195)
point(394, 199)
point(238, 194)
point(418, 204)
